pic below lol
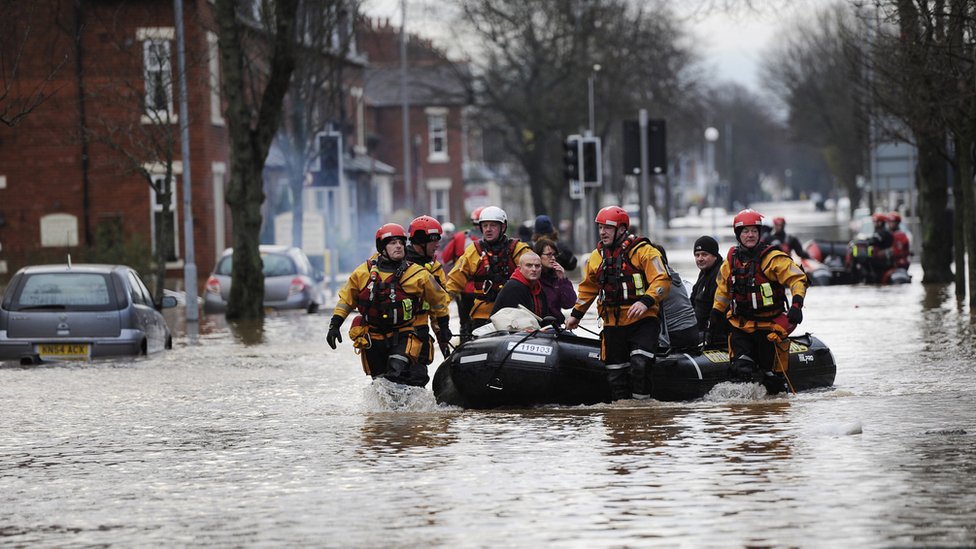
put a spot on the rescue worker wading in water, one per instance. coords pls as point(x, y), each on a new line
point(487, 264)
point(389, 292)
point(425, 235)
point(627, 276)
point(751, 294)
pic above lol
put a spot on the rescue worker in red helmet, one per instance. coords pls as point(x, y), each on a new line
point(786, 242)
point(882, 236)
point(900, 246)
point(487, 265)
point(425, 234)
point(389, 293)
point(751, 294)
point(628, 278)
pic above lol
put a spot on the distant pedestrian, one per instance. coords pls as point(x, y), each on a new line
point(544, 229)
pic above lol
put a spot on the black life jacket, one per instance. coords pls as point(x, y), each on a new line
point(383, 302)
point(495, 267)
point(753, 294)
point(620, 282)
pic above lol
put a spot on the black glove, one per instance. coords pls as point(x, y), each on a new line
point(794, 315)
point(334, 334)
point(444, 335)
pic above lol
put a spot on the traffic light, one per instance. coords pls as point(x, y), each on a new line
point(327, 173)
point(591, 156)
point(571, 158)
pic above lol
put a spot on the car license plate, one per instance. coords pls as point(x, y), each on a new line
point(65, 351)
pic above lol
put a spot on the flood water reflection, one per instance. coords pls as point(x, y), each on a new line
point(245, 436)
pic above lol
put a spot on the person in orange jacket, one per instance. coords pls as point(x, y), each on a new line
point(751, 295)
point(627, 277)
point(389, 293)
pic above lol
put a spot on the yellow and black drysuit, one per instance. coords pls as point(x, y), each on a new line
point(618, 276)
point(486, 267)
point(394, 299)
point(441, 325)
point(751, 294)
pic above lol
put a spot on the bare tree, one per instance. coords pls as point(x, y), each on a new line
point(25, 85)
point(537, 57)
point(257, 61)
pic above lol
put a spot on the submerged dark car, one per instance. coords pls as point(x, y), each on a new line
point(80, 312)
point(290, 281)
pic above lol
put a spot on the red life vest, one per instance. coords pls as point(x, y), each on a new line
point(384, 303)
point(620, 282)
point(495, 267)
point(753, 294)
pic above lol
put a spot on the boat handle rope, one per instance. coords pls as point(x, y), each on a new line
point(496, 383)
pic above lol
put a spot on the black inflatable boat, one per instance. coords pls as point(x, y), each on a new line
point(549, 367)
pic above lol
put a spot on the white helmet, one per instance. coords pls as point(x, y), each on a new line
point(449, 227)
point(493, 213)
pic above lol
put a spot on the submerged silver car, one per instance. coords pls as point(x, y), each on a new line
point(80, 312)
point(290, 282)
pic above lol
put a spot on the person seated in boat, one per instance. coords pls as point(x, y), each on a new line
point(708, 261)
point(679, 327)
point(751, 295)
point(559, 290)
point(628, 276)
point(786, 242)
point(524, 287)
point(389, 293)
point(487, 264)
point(425, 234)
point(899, 241)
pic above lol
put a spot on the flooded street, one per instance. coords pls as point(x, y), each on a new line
point(228, 442)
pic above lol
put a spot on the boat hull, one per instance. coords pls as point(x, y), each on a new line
point(527, 369)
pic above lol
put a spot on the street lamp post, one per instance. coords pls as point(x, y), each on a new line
point(711, 136)
point(589, 132)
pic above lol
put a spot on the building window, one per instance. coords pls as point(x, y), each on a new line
point(440, 198)
point(157, 75)
point(169, 222)
point(216, 111)
point(437, 135)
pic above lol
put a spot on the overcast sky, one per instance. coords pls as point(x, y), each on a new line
point(731, 43)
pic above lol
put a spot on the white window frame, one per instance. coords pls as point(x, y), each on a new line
point(437, 135)
point(213, 64)
point(158, 172)
point(157, 66)
point(439, 190)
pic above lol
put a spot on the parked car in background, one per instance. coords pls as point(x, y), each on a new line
point(290, 282)
point(80, 312)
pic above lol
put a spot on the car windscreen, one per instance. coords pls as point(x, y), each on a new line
point(65, 291)
point(273, 265)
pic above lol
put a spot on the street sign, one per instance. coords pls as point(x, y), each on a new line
point(575, 190)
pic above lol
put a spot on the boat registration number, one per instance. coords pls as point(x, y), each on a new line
point(64, 350)
point(531, 348)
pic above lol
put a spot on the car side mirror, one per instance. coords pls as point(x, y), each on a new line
point(167, 302)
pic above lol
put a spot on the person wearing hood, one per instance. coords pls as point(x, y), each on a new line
point(751, 295)
point(544, 228)
point(627, 277)
point(392, 296)
point(524, 287)
point(709, 261)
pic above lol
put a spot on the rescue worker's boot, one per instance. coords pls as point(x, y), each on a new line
point(640, 375)
point(618, 376)
point(397, 369)
point(744, 370)
point(774, 382)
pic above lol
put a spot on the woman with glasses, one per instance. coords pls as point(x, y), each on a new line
point(557, 287)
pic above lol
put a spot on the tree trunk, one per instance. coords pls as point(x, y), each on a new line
point(964, 214)
point(936, 250)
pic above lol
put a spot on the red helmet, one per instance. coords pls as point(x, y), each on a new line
point(746, 218)
point(880, 217)
point(388, 231)
point(476, 214)
point(894, 216)
point(615, 216)
point(425, 229)
point(779, 220)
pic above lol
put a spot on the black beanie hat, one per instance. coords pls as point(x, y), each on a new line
point(543, 225)
point(707, 244)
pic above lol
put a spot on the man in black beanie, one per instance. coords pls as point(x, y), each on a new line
point(708, 261)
